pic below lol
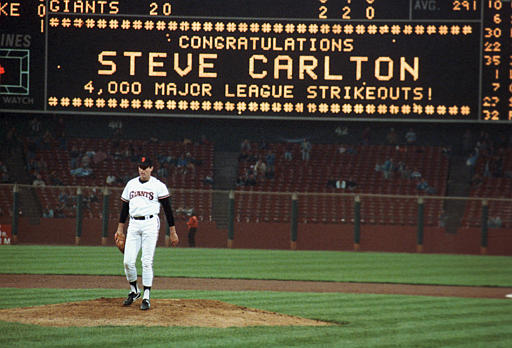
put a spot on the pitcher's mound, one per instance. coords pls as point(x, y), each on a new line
point(163, 312)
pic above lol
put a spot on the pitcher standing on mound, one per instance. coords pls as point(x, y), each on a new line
point(142, 197)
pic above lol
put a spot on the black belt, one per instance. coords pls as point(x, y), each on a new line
point(142, 217)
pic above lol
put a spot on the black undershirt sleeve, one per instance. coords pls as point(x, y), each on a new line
point(166, 203)
point(124, 212)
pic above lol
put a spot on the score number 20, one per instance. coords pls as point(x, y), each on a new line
point(164, 9)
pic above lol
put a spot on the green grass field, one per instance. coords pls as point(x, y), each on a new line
point(369, 320)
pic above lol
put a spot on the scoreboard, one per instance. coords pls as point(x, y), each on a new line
point(404, 60)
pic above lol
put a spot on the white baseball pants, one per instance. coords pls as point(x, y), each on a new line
point(141, 234)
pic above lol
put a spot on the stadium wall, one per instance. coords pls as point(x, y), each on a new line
point(381, 238)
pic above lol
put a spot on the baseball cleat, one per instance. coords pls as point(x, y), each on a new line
point(145, 305)
point(132, 296)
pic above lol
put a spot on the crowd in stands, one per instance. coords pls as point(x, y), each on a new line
point(393, 161)
point(261, 163)
point(4, 174)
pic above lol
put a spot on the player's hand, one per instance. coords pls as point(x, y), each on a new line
point(174, 236)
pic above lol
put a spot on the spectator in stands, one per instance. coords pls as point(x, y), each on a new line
point(288, 152)
point(410, 137)
point(117, 154)
point(35, 126)
point(91, 197)
point(332, 183)
point(167, 160)
point(270, 173)
point(251, 180)
point(4, 174)
point(74, 156)
point(47, 140)
point(260, 168)
point(204, 140)
point(341, 131)
point(243, 156)
point(443, 219)
point(487, 168)
point(54, 179)
point(467, 142)
point(86, 159)
point(476, 180)
point(63, 197)
point(4, 178)
point(245, 146)
point(208, 180)
point(416, 174)
point(12, 140)
point(305, 149)
point(270, 160)
point(162, 171)
point(81, 171)
point(365, 136)
point(483, 138)
point(60, 134)
point(99, 156)
point(494, 222)
point(405, 172)
point(111, 179)
point(471, 161)
point(447, 151)
point(351, 184)
point(263, 144)
point(48, 212)
point(386, 168)
point(240, 181)
point(350, 150)
point(60, 211)
point(38, 181)
point(186, 163)
point(425, 187)
point(497, 168)
point(392, 137)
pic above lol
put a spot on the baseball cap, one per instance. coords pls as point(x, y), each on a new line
point(145, 162)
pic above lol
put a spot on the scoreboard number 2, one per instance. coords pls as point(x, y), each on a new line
point(156, 10)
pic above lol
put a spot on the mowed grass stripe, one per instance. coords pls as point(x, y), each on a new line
point(371, 321)
point(264, 264)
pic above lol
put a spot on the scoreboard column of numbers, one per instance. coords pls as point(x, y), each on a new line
point(425, 60)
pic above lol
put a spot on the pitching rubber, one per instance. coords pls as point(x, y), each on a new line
point(508, 296)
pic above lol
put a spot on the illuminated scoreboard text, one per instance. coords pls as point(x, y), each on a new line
point(316, 59)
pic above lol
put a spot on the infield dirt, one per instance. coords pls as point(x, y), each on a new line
point(163, 312)
point(200, 313)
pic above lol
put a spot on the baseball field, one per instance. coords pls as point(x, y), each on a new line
point(56, 296)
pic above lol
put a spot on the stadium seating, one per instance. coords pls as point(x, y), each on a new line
point(6, 198)
point(117, 164)
point(326, 163)
point(491, 187)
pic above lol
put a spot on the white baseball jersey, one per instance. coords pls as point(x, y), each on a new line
point(143, 196)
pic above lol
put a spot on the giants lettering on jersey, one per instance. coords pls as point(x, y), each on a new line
point(148, 195)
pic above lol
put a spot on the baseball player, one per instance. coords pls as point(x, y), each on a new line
point(192, 225)
point(142, 197)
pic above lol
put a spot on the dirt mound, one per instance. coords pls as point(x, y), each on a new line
point(163, 312)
